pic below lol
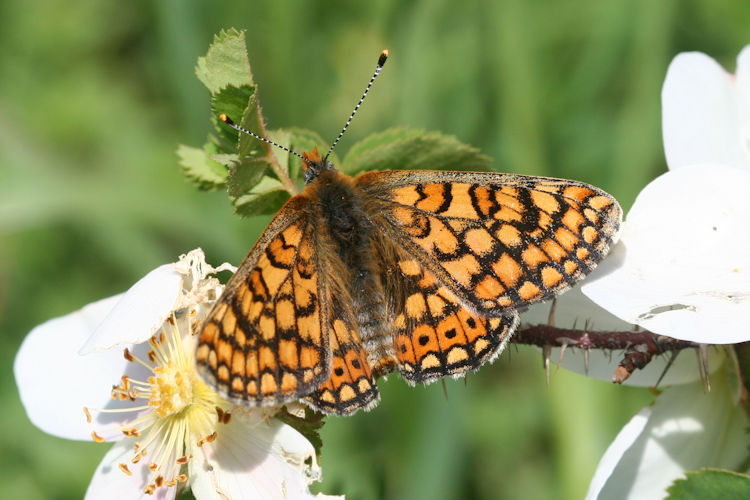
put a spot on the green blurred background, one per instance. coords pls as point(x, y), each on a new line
point(96, 95)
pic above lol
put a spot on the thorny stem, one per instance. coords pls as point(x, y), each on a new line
point(639, 346)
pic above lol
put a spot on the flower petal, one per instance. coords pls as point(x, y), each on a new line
point(111, 482)
point(55, 405)
point(681, 267)
point(264, 460)
point(686, 429)
point(54, 382)
point(575, 310)
point(743, 89)
point(624, 440)
point(743, 75)
point(141, 311)
point(700, 120)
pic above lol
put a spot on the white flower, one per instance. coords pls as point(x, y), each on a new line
point(682, 269)
point(170, 429)
point(682, 266)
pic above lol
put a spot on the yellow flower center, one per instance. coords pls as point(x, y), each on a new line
point(171, 389)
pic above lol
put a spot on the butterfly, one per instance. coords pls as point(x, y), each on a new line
point(420, 272)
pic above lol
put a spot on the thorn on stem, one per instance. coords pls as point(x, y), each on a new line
point(586, 360)
point(546, 352)
point(703, 350)
point(551, 316)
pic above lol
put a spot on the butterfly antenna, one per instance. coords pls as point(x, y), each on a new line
point(231, 123)
point(381, 62)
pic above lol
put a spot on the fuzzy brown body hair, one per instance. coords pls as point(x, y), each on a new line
point(351, 260)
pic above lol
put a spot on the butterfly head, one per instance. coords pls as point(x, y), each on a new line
point(315, 164)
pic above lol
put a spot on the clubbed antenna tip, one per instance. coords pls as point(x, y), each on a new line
point(383, 57)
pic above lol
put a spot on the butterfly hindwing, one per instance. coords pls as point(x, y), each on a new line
point(434, 334)
point(351, 386)
point(265, 341)
point(498, 241)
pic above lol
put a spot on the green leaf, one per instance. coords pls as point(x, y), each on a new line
point(233, 101)
point(265, 198)
point(226, 62)
point(225, 70)
point(244, 175)
point(282, 137)
point(410, 149)
point(309, 426)
point(710, 483)
point(200, 168)
point(226, 159)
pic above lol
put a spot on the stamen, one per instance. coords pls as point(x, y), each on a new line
point(208, 439)
point(138, 456)
point(179, 408)
point(132, 432)
point(122, 410)
point(130, 357)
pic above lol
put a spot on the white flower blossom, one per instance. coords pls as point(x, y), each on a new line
point(682, 269)
point(170, 429)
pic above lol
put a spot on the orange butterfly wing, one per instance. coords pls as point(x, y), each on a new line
point(497, 241)
point(434, 334)
point(351, 385)
point(265, 341)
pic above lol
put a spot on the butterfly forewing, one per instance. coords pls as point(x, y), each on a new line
point(265, 342)
point(497, 241)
